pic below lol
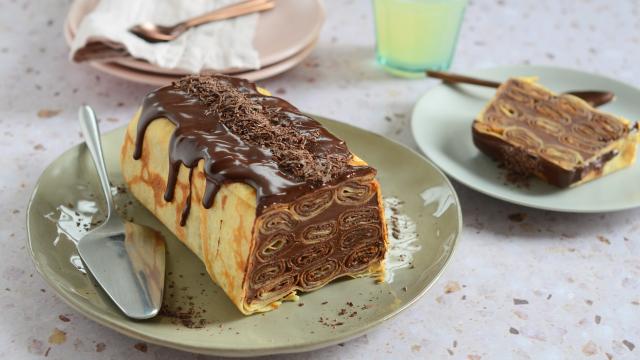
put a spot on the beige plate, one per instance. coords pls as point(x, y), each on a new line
point(291, 328)
point(280, 33)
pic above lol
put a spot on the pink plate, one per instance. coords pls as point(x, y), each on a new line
point(154, 78)
point(281, 33)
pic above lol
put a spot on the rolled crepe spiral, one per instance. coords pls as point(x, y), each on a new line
point(359, 236)
point(353, 193)
point(277, 288)
point(278, 220)
point(355, 217)
point(561, 155)
point(546, 125)
point(319, 232)
point(531, 92)
point(607, 128)
point(569, 106)
point(267, 273)
point(361, 257)
point(520, 97)
point(320, 274)
point(311, 255)
point(550, 112)
point(493, 117)
point(311, 205)
point(508, 109)
point(275, 244)
point(580, 143)
point(523, 137)
point(590, 133)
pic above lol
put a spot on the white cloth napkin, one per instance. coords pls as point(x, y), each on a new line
point(217, 45)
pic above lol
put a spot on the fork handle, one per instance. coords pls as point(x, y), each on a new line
point(455, 78)
point(227, 12)
point(91, 133)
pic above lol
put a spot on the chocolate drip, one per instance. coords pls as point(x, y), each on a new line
point(284, 155)
point(187, 205)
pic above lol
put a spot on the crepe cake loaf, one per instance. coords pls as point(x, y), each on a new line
point(558, 138)
point(267, 198)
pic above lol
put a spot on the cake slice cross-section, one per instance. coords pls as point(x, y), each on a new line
point(559, 138)
point(269, 200)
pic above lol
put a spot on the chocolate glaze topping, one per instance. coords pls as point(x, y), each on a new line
point(244, 136)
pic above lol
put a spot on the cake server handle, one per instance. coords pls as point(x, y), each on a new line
point(89, 126)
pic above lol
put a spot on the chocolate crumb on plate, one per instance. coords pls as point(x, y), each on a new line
point(142, 347)
point(629, 345)
point(517, 217)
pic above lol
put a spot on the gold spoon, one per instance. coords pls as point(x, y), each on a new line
point(157, 33)
point(593, 98)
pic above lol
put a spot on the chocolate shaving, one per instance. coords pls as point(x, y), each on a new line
point(266, 127)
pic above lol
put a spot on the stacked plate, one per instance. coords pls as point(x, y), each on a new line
point(284, 37)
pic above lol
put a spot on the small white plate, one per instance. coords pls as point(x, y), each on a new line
point(441, 125)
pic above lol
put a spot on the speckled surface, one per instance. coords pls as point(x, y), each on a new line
point(524, 284)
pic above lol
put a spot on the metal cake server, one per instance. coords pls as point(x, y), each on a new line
point(127, 260)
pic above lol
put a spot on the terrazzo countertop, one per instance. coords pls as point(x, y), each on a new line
point(524, 284)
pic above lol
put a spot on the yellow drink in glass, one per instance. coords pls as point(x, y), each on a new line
point(417, 35)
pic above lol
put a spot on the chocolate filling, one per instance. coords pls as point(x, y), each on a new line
point(244, 136)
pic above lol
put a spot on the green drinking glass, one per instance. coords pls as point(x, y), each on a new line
point(413, 36)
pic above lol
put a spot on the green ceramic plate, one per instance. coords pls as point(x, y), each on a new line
point(428, 199)
point(441, 125)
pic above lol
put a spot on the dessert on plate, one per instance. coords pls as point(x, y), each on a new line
point(269, 200)
point(558, 138)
